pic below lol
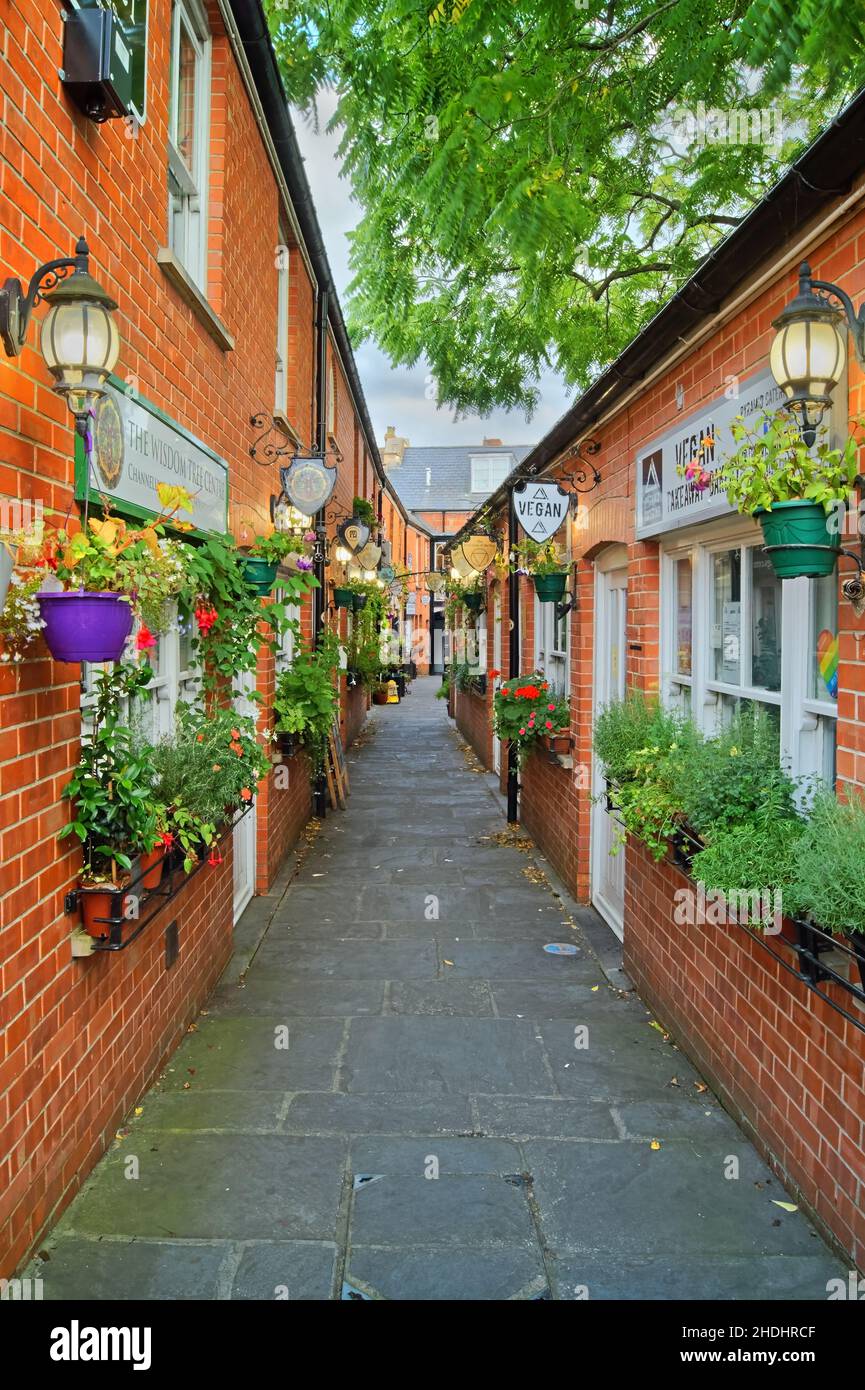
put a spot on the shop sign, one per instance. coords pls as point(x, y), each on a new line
point(665, 499)
point(136, 446)
point(540, 508)
point(308, 483)
point(479, 550)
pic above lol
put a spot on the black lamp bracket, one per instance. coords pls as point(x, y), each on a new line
point(16, 307)
point(855, 321)
point(266, 451)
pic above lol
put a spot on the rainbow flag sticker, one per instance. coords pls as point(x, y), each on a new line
point(827, 660)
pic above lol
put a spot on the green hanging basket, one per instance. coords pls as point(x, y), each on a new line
point(550, 588)
point(359, 601)
point(474, 602)
point(798, 540)
point(259, 575)
point(343, 598)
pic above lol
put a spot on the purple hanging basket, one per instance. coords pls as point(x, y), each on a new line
point(85, 626)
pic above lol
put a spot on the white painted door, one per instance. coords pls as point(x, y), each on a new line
point(608, 871)
point(245, 829)
point(497, 680)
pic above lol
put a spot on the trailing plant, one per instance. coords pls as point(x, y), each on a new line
point(623, 727)
point(21, 620)
point(444, 690)
point(826, 881)
point(305, 701)
point(466, 676)
point(232, 622)
point(772, 464)
point(526, 710)
point(117, 812)
point(649, 797)
point(536, 557)
point(458, 590)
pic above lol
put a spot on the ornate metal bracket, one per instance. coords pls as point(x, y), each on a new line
point(269, 453)
point(577, 478)
point(16, 306)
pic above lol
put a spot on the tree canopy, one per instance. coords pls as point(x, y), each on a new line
point(536, 179)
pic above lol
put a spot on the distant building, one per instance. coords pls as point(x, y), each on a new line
point(442, 485)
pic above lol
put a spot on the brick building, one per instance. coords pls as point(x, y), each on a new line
point(200, 225)
point(673, 593)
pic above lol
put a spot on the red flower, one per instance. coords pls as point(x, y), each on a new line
point(168, 839)
point(522, 731)
point(549, 724)
point(528, 692)
point(215, 858)
point(495, 673)
point(206, 615)
point(145, 641)
point(246, 793)
point(551, 708)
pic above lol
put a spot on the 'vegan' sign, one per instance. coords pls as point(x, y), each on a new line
point(540, 508)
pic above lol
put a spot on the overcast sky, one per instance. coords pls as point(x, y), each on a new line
point(398, 395)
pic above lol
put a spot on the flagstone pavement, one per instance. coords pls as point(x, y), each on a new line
point(431, 1130)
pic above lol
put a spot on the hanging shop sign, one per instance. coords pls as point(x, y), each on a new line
point(308, 483)
point(386, 573)
point(135, 447)
point(435, 582)
point(665, 499)
point(479, 550)
point(354, 534)
point(464, 569)
point(369, 557)
point(540, 508)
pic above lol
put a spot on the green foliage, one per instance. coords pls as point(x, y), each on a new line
point(531, 190)
point(755, 856)
point(536, 557)
point(305, 702)
point(364, 511)
point(525, 710)
point(465, 676)
point(737, 777)
point(116, 809)
point(649, 797)
point(826, 882)
point(773, 464)
point(458, 590)
point(275, 548)
point(232, 621)
point(625, 726)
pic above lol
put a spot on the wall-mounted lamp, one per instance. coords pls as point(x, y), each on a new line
point(809, 350)
point(79, 338)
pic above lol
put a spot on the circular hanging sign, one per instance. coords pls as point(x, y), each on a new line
point(435, 581)
point(308, 483)
point(561, 948)
point(386, 573)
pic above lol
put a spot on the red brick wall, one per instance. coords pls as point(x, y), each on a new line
point(82, 1039)
point(785, 1063)
point(474, 716)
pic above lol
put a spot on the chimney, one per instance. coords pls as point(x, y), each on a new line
point(393, 448)
point(492, 443)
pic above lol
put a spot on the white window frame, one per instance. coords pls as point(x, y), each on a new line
point(331, 398)
point(284, 655)
point(187, 202)
point(172, 682)
point(489, 471)
point(807, 745)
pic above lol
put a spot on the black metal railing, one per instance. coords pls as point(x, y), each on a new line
point(153, 900)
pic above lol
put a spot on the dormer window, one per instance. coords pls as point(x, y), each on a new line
point(490, 470)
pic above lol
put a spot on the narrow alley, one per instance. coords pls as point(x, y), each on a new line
point(398, 1093)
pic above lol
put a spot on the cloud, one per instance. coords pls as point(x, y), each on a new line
point(398, 396)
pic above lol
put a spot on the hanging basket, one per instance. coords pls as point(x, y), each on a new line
point(259, 575)
point(85, 626)
point(359, 601)
point(550, 588)
point(474, 602)
point(798, 540)
point(343, 598)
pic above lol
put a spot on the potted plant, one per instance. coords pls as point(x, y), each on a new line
point(825, 882)
point(526, 710)
point(116, 813)
point(364, 511)
point(343, 596)
point(20, 618)
point(379, 694)
point(7, 564)
point(305, 701)
point(795, 492)
point(546, 566)
point(263, 558)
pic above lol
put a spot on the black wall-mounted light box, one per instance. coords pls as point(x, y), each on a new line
point(97, 64)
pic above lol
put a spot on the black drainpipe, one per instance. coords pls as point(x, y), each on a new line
point(319, 595)
point(513, 661)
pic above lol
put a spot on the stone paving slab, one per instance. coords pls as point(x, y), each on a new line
point(415, 1036)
